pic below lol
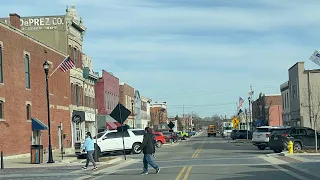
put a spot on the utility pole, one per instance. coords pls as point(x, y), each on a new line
point(250, 107)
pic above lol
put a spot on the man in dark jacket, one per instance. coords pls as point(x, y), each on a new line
point(148, 149)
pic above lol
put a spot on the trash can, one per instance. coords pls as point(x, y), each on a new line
point(36, 154)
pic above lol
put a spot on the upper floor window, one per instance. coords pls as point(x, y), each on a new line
point(27, 70)
point(1, 109)
point(1, 71)
point(77, 95)
point(28, 112)
point(75, 57)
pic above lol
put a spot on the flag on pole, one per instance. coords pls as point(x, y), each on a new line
point(250, 93)
point(315, 57)
point(241, 101)
point(66, 64)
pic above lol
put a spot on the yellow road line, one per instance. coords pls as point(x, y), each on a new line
point(180, 173)
point(199, 149)
point(187, 173)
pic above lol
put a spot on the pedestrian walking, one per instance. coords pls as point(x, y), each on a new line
point(88, 147)
point(148, 149)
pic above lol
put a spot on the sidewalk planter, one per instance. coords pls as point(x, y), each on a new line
point(36, 154)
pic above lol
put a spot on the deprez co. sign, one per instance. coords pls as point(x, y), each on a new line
point(41, 23)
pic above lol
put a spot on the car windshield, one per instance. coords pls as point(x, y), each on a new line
point(262, 130)
point(227, 128)
point(280, 131)
point(99, 135)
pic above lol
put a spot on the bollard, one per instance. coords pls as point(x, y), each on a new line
point(290, 147)
point(2, 164)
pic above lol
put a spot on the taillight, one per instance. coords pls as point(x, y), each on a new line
point(267, 135)
point(286, 135)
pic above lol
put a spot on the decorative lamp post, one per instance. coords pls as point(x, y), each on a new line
point(46, 67)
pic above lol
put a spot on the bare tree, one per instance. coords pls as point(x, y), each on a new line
point(311, 101)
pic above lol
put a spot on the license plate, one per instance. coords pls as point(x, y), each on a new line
point(275, 138)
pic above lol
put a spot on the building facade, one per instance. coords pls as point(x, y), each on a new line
point(126, 98)
point(145, 112)
point(107, 96)
point(159, 115)
point(23, 103)
point(304, 95)
point(65, 33)
point(285, 94)
point(267, 110)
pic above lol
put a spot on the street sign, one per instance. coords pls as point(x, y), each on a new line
point(171, 125)
point(235, 121)
point(236, 126)
point(120, 113)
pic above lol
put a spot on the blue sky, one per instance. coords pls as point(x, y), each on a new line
point(202, 54)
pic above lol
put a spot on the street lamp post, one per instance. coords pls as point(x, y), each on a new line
point(132, 112)
point(46, 70)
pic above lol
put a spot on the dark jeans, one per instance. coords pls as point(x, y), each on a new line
point(90, 158)
point(147, 159)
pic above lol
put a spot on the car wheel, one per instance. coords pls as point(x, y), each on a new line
point(158, 144)
point(261, 147)
point(136, 148)
point(277, 150)
point(297, 146)
point(208, 135)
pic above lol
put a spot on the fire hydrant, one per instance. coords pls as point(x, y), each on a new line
point(290, 147)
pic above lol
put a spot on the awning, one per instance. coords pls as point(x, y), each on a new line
point(112, 125)
point(37, 125)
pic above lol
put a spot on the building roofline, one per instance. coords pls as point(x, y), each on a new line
point(301, 62)
point(21, 33)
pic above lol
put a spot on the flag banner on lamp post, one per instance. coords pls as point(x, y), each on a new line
point(315, 57)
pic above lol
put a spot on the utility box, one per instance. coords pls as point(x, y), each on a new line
point(36, 154)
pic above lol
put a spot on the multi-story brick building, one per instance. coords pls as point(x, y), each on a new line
point(23, 103)
point(159, 115)
point(126, 98)
point(65, 33)
point(107, 96)
point(267, 110)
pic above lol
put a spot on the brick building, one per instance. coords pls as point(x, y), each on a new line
point(267, 110)
point(126, 98)
point(107, 96)
point(65, 33)
point(23, 92)
point(159, 115)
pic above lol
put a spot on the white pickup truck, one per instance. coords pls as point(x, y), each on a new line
point(111, 141)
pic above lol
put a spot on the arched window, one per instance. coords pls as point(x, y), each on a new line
point(27, 70)
point(28, 112)
point(1, 109)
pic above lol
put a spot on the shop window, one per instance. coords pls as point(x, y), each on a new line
point(28, 112)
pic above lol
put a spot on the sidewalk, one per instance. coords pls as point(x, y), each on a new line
point(69, 159)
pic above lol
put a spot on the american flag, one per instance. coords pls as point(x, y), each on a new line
point(241, 101)
point(66, 64)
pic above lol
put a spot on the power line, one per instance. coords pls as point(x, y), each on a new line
point(181, 95)
point(203, 105)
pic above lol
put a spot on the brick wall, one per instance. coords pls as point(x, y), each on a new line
point(15, 129)
point(154, 111)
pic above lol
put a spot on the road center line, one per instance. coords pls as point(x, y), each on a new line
point(187, 173)
point(180, 173)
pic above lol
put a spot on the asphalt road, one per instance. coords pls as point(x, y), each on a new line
point(199, 158)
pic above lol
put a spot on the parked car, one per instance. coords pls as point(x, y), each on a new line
point(192, 133)
point(260, 137)
point(302, 138)
point(160, 139)
point(170, 135)
point(240, 134)
point(111, 141)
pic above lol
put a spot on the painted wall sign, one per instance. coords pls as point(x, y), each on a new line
point(40, 23)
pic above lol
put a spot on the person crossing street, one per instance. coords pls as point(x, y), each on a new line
point(148, 149)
